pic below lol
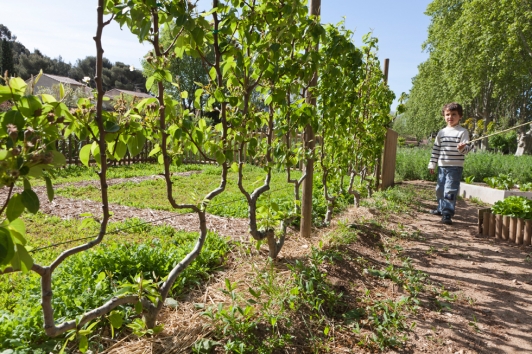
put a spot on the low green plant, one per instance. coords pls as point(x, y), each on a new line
point(96, 276)
point(469, 179)
point(525, 187)
point(503, 181)
point(515, 206)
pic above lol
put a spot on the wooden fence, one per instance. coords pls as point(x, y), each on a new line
point(504, 227)
point(70, 148)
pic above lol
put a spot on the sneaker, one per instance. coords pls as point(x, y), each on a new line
point(446, 219)
point(435, 212)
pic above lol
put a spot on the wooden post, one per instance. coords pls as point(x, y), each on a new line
point(378, 167)
point(513, 226)
point(486, 223)
point(519, 231)
point(498, 226)
point(306, 197)
point(527, 239)
point(505, 227)
point(492, 225)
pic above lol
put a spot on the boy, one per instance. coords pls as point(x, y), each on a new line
point(448, 152)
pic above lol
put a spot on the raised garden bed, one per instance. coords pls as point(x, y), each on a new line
point(487, 194)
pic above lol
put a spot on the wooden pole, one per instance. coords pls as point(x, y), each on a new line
point(308, 168)
point(527, 240)
point(519, 231)
point(379, 161)
point(498, 227)
point(492, 225)
point(486, 223)
point(505, 227)
point(513, 226)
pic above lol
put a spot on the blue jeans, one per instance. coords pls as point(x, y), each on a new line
point(447, 188)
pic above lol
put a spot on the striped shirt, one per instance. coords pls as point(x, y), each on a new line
point(444, 152)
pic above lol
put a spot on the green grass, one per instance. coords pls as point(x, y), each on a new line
point(73, 173)
point(88, 279)
point(192, 189)
point(412, 164)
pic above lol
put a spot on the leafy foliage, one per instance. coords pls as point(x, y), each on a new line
point(515, 206)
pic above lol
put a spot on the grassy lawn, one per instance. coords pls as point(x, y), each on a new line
point(191, 189)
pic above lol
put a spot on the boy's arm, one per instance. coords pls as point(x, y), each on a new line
point(435, 155)
point(463, 147)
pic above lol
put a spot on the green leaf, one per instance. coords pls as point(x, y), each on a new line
point(61, 91)
point(110, 127)
point(27, 185)
point(85, 154)
point(136, 143)
point(234, 167)
point(83, 343)
point(7, 247)
point(220, 157)
point(21, 259)
point(149, 82)
point(30, 201)
point(138, 307)
point(15, 207)
point(49, 188)
point(120, 150)
point(115, 317)
point(17, 85)
point(18, 231)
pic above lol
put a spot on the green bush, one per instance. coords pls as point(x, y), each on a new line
point(514, 206)
point(412, 164)
point(505, 143)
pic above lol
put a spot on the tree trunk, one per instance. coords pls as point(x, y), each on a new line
point(524, 144)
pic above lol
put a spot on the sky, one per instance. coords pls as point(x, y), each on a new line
point(65, 28)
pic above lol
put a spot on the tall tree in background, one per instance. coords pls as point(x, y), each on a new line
point(6, 63)
point(118, 76)
point(479, 55)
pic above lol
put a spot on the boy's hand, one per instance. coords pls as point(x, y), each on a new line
point(461, 146)
point(431, 170)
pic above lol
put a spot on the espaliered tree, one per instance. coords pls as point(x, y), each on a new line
point(259, 79)
point(259, 65)
point(28, 135)
point(175, 131)
point(363, 113)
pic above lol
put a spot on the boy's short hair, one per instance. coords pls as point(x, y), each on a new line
point(453, 106)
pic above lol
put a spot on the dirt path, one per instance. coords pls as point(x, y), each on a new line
point(492, 280)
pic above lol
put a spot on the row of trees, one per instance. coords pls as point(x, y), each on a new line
point(20, 62)
point(260, 59)
point(480, 55)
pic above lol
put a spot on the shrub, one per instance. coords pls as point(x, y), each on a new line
point(411, 164)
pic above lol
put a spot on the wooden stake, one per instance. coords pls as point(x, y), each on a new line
point(492, 225)
point(486, 223)
point(498, 227)
point(519, 231)
point(527, 240)
point(513, 225)
point(505, 227)
point(306, 197)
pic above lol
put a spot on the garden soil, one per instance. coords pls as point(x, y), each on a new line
point(489, 282)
